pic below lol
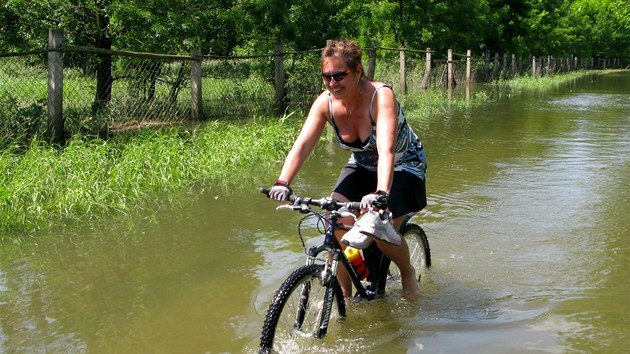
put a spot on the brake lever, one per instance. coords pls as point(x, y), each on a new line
point(302, 208)
point(344, 214)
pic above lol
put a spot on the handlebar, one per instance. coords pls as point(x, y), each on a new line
point(328, 204)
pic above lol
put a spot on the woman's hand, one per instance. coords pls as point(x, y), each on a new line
point(377, 199)
point(280, 191)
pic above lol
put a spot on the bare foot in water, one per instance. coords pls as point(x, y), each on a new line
point(411, 287)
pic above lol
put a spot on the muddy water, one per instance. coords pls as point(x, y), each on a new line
point(527, 218)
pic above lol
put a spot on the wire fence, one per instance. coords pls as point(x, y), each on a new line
point(87, 90)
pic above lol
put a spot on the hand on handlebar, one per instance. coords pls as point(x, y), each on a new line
point(280, 191)
point(377, 199)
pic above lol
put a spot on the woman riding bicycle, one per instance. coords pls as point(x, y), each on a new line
point(387, 157)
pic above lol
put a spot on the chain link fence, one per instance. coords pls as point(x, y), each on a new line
point(23, 97)
point(141, 89)
point(145, 90)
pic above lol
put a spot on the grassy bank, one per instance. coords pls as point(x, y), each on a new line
point(132, 174)
point(129, 175)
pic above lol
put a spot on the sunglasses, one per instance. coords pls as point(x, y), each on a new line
point(338, 76)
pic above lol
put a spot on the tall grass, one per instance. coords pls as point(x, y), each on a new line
point(129, 175)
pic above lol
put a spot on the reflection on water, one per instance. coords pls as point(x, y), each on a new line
point(527, 219)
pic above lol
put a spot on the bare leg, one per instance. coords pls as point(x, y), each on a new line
point(400, 256)
point(342, 274)
point(344, 281)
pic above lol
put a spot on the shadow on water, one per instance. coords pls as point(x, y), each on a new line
point(528, 200)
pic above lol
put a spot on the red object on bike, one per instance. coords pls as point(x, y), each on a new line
point(354, 257)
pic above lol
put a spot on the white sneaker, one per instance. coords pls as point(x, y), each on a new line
point(354, 238)
point(378, 225)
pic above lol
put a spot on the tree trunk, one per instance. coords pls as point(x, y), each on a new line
point(104, 67)
point(179, 81)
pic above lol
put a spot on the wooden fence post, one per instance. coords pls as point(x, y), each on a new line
point(449, 66)
point(468, 65)
point(533, 66)
point(372, 60)
point(505, 67)
point(576, 63)
point(513, 64)
point(54, 128)
point(468, 78)
point(403, 72)
point(279, 68)
point(195, 86)
point(426, 79)
point(495, 69)
point(486, 66)
point(549, 66)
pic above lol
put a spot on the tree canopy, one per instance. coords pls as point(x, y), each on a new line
point(586, 28)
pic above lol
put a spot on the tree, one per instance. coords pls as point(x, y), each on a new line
point(600, 28)
point(559, 27)
point(298, 24)
point(104, 77)
point(506, 27)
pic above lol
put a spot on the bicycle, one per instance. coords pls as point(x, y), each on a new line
point(311, 295)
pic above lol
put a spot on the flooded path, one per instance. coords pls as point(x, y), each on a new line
point(527, 219)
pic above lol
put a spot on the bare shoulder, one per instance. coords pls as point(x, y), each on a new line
point(322, 98)
point(320, 107)
point(383, 93)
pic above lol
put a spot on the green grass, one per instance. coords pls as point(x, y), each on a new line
point(92, 178)
point(542, 82)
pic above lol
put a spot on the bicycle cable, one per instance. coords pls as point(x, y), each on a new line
point(320, 226)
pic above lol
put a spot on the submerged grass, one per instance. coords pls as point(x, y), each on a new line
point(134, 174)
point(543, 82)
point(90, 178)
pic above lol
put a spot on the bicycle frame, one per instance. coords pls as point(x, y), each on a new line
point(376, 260)
point(332, 246)
point(373, 256)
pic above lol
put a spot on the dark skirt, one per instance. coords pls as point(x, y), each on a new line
point(407, 195)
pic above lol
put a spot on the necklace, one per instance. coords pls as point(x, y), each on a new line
point(350, 109)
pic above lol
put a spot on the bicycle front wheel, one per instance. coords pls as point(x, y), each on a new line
point(302, 307)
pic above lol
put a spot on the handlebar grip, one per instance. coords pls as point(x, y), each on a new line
point(355, 205)
point(293, 197)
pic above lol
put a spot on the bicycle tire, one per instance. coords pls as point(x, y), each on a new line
point(419, 250)
point(301, 307)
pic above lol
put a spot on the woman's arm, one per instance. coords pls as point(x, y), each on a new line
point(386, 117)
point(307, 139)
